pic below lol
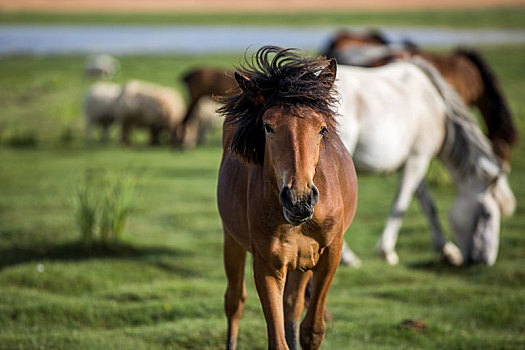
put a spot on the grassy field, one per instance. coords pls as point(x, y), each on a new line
point(457, 18)
point(162, 288)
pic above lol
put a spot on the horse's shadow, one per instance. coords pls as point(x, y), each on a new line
point(77, 251)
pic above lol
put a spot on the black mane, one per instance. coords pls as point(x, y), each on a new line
point(284, 77)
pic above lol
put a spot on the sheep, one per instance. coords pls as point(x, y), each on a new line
point(99, 104)
point(148, 105)
point(102, 66)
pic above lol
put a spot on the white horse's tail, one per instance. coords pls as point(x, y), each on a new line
point(464, 144)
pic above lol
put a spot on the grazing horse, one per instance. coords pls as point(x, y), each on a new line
point(287, 191)
point(402, 115)
point(464, 69)
point(201, 82)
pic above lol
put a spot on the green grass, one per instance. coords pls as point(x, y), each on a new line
point(162, 288)
point(494, 17)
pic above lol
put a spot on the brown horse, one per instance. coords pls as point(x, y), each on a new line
point(287, 192)
point(465, 70)
point(200, 82)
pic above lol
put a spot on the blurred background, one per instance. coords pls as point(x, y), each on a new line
point(109, 151)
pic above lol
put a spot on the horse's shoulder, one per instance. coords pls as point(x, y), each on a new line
point(228, 130)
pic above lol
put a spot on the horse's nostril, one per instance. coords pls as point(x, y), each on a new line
point(306, 202)
point(314, 195)
point(286, 196)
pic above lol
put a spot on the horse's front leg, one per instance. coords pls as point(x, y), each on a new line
point(294, 299)
point(440, 244)
point(413, 172)
point(270, 287)
point(235, 297)
point(313, 327)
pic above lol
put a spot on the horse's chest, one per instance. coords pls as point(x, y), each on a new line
point(296, 251)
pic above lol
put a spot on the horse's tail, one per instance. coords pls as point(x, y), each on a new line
point(492, 103)
point(462, 133)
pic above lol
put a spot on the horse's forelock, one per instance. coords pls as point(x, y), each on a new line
point(280, 76)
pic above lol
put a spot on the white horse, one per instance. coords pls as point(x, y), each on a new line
point(404, 115)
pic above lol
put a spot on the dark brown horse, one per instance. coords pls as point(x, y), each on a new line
point(287, 191)
point(344, 40)
point(464, 69)
point(199, 82)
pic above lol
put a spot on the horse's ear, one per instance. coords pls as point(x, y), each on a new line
point(249, 88)
point(329, 72)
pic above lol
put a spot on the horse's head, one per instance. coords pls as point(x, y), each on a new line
point(289, 115)
point(475, 217)
point(292, 153)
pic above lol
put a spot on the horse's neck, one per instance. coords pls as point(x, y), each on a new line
point(467, 184)
point(463, 152)
point(462, 184)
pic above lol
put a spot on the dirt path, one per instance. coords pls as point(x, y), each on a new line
point(245, 5)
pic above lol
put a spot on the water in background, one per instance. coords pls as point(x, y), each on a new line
point(130, 39)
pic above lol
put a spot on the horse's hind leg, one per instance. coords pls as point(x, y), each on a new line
point(413, 172)
point(313, 326)
point(234, 262)
point(449, 250)
point(294, 297)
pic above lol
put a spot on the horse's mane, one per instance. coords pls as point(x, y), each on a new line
point(283, 77)
point(464, 145)
point(494, 106)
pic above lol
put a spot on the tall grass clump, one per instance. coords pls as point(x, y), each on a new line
point(85, 209)
point(101, 211)
point(116, 206)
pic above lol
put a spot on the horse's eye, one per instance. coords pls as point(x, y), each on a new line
point(323, 131)
point(268, 129)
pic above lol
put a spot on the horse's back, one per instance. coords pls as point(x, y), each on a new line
point(387, 113)
point(208, 81)
point(460, 72)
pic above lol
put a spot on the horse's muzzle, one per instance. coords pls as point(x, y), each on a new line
point(297, 210)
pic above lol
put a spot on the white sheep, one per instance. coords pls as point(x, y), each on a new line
point(148, 105)
point(102, 66)
point(99, 104)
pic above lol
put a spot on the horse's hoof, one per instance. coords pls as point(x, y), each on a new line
point(453, 254)
point(390, 257)
point(350, 259)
